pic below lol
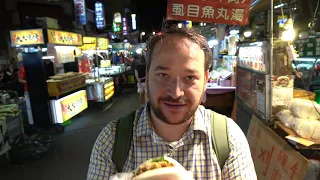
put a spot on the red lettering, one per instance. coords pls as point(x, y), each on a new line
point(282, 158)
point(294, 169)
point(266, 156)
point(258, 134)
point(275, 175)
point(79, 5)
point(79, 11)
point(252, 130)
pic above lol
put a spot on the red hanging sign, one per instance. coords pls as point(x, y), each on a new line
point(234, 12)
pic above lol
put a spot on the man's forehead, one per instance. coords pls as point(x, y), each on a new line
point(176, 41)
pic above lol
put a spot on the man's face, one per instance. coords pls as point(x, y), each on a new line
point(176, 79)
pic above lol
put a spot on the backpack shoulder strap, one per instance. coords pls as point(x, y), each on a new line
point(123, 140)
point(220, 140)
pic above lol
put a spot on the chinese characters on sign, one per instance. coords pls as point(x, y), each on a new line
point(64, 38)
point(252, 57)
point(73, 104)
point(273, 157)
point(80, 12)
point(223, 11)
point(100, 19)
point(26, 37)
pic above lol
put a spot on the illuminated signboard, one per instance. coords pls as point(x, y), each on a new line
point(64, 38)
point(124, 26)
point(26, 37)
point(80, 12)
point(117, 17)
point(134, 22)
point(117, 27)
point(100, 20)
point(89, 43)
point(103, 43)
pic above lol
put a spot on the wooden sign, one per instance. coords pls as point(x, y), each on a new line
point(273, 157)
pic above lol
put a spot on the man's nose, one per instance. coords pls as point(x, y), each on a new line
point(175, 88)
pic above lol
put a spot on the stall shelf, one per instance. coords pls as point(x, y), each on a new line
point(100, 91)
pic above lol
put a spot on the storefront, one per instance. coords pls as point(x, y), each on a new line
point(274, 113)
point(39, 48)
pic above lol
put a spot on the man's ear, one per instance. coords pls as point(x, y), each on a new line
point(206, 77)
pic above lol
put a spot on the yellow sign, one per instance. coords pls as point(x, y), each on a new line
point(60, 87)
point(89, 43)
point(103, 43)
point(64, 38)
point(27, 37)
point(74, 104)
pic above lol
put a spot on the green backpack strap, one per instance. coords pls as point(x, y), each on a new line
point(123, 138)
point(220, 140)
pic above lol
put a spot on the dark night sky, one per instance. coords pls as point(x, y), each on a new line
point(151, 14)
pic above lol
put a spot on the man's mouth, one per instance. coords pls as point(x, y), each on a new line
point(174, 106)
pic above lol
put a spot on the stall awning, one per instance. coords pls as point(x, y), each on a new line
point(263, 5)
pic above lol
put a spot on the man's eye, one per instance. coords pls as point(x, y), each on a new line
point(190, 78)
point(162, 75)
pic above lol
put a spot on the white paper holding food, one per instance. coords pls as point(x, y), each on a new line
point(177, 172)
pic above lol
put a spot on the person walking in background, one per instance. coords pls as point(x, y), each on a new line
point(140, 73)
point(22, 79)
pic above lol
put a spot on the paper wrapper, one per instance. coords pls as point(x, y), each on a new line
point(178, 172)
point(168, 173)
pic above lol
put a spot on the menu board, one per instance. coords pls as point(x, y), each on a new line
point(282, 90)
point(252, 57)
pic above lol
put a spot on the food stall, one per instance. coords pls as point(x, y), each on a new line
point(67, 96)
point(35, 47)
point(99, 88)
point(62, 46)
point(276, 116)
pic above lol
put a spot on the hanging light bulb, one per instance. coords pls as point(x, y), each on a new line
point(289, 33)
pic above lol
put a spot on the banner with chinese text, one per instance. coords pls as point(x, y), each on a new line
point(74, 104)
point(26, 37)
point(273, 157)
point(235, 12)
point(80, 12)
point(64, 38)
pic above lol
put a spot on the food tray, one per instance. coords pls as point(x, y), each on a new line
point(303, 94)
point(283, 131)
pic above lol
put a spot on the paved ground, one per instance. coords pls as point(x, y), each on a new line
point(70, 157)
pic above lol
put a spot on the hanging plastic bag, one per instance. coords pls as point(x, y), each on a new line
point(304, 108)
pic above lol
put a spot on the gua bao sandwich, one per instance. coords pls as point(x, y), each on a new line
point(161, 168)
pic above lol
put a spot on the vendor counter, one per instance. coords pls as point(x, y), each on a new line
point(219, 98)
point(67, 97)
point(100, 91)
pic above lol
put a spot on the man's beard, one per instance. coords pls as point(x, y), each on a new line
point(161, 116)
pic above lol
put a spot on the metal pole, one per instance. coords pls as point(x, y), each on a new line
point(270, 120)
